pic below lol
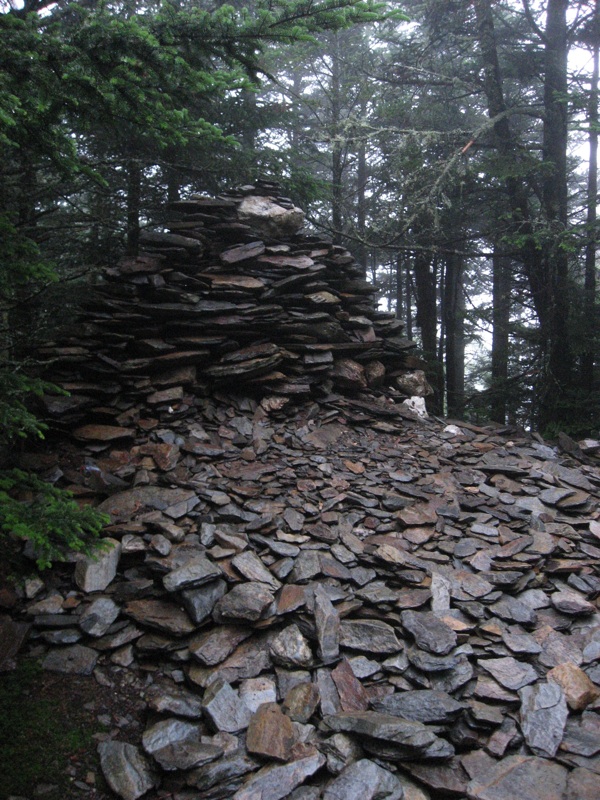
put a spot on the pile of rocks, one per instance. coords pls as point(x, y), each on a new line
point(339, 604)
point(327, 598)
point(231, 294)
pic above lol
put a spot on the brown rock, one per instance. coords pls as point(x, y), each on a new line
point(578, 688)
point(270, 733)
point(353, 696)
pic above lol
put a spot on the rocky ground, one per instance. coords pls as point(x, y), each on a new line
point(328, 601)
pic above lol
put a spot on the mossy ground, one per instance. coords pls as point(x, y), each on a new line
point(37, 738)
point(47, 727)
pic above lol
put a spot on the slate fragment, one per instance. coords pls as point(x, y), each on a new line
point(521, 776)
point(424, 705)
point(369, 636)
point(509, 672)
point(94, 573)
point(74, 660)
point(328, 626)
point(126, 770)
point(543, 717)
point(225, 708)
point(364, 780)
point(429, 632)
point(270, 733)
point(244, 602)
point(274, 782)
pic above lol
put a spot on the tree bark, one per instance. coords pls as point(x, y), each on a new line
point(134, 194)
point(590, 322)
point(425, 269)
point(361, 204)
point(501, 285)
point(453, 314)
point(545, 261)
point(337, 151)
point(555, 202)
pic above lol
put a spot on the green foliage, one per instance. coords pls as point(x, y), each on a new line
point(30, 508)
point(47, 517)
point(16, 419)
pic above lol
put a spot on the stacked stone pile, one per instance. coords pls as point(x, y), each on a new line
point(326, 598)
point(229, 294)
point(337, 603)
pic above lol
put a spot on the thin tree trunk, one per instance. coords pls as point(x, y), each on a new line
point(408, 301)
point(400, 292)
point(501, 285)
point(361, 204)
point(588, 358)
point(134, 193)
point(426, 320)
point(453, 313)
point(337, 153)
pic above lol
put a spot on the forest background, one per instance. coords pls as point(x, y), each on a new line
point(452, 145)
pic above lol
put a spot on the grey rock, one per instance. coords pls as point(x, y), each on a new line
point(572, 603)
point(277, 781)
point(520, 776)
point(370, 636)
point(61, 636)
point(513, 610)
point(74, 660)
point(196, 571)
point(99, 616)
point(214, 645)
point(421, 705)
point(126, 770)
point(306, 566)
point(291, 649)
point(328, 626)
point(413, 736)
point(94, 573)
point(429, 632)
point(509, 672)
point(225, 708)
point(246, 601)
point(252, 568)
point(186, 755)
point(256, 691)
point(199, 603)
point(364, 780)
point(340, 750)
point(168, 732)
point(225, 771)
point(543, 717)
point(167, 697)
point(427, 662)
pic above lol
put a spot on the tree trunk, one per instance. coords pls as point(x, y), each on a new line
point(588, 357)
point(555, 202)
point(545, 262)
point(361, 204)
point(337, 151)
point(453, 314)
point(134, 193)
point(426, 320)
point(400, 290)
point(501, 285)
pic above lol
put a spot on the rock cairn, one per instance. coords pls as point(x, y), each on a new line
point(336, 605)
point(321, 599)
point(232, 296)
